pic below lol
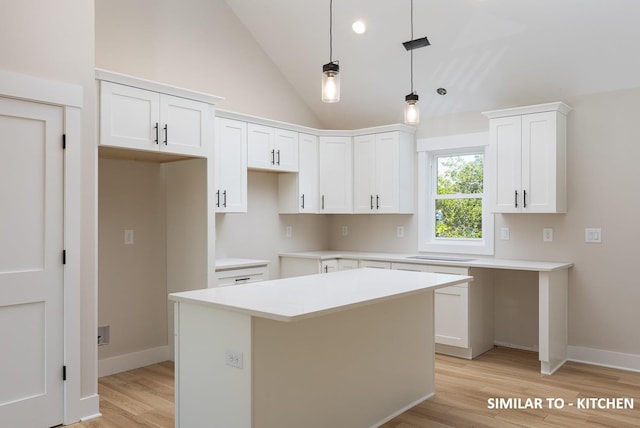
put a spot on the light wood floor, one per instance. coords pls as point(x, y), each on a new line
point(144, 397)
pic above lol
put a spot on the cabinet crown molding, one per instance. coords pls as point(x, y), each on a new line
point(150, 85)
point(558, 106)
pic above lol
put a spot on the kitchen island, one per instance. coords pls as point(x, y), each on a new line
point(346, 349)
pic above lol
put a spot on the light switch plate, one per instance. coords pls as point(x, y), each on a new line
point(289, 231)
point(345, 230)
point(400, 232)
point(593, 235)
point(128, 237)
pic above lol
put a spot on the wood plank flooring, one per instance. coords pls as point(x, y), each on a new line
point(144, 397)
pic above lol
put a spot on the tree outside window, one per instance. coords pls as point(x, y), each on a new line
point(458, 196)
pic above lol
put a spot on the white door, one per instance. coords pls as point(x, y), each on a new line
point(129, 117)
point(286, 145)
point(31, 271)
point(183, 126)
point(364, 173)
point(387, 172)
point(231, 165)
point(505, 135)
point(336, 175)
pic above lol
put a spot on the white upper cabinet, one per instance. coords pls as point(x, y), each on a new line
point(272, 149)
point(383, 173)
point(230, 166)
point(336, 175)
point(527, 159)
point(298, 193)
point(141, 119)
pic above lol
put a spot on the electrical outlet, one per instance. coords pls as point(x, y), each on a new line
point(547, 234)
point(345, 230)
point(504, 233)
point(400, 231)
point(289, 231)
point(128, 237)
point(234, 359)
point(593, 235)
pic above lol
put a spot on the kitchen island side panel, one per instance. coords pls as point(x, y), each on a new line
point(355, 368)
point(212, 393)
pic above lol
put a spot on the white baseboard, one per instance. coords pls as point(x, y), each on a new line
point(134, 360)
point(599, 357)
point(404, 409)
point(89, 407)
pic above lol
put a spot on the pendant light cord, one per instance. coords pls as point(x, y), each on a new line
point(331, 30)
point(411, 53)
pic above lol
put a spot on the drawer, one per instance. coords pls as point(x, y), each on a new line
point(241, 276)
point(375, 264)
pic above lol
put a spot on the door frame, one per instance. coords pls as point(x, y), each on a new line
point(70, 97)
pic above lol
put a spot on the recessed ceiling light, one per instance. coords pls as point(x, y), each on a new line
point(359, 27)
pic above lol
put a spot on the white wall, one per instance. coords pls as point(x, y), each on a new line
point(260, 233)
point(196, 44)
point(603, 176)
point(132, 292)
point(55, 40)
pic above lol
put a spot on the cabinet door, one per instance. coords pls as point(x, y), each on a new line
point(308, 173)
point(329, 266)
point(387, 175)
point(231, 165)
point(260, 143)
point(347, 264)
point(286, 150)
point(539, 160)
point(336, 175)
point(452, 316)
point(505, 145)
point(184, 126)
point(129, 117)
point(375, 264)
point(364, 174)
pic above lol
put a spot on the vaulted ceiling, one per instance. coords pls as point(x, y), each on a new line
point(488, 54)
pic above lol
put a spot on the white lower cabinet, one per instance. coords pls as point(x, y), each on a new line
point(329, 266)
point(347, 264)
point(375, 264)
point(241, 275)
point(463, 312)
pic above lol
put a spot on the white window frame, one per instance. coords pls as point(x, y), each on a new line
point(428, 151)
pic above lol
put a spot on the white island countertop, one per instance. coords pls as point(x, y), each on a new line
point(310, 296)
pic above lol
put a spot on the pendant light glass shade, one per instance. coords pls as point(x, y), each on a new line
point(411, 109)
point(331, 83)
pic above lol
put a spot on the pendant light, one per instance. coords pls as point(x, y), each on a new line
point(331, 70)
point(411, 108)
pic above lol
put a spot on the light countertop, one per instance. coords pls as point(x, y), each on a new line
point(309, 296)
point(444, 260)
point(237, 263)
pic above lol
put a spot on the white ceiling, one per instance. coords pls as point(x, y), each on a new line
point(488, 54)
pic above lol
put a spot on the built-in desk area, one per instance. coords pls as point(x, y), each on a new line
point(552, 287)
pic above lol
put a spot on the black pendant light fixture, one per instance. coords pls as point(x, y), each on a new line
point(331, 70)
point(411, 108)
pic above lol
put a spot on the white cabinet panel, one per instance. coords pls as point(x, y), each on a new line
point(298, 193)
point(383, 173)
point(336, 175)
point(272, 148)
point(140, 119)
point(375, 264)
point(241, 276)
point(527, 159)
point(329, 266)
point(231, 165)
point(452, 316)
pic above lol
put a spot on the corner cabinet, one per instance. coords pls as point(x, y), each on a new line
point(230, 166)
point(141, 119)
point(383, 173)
point(527, 158)
point(336, 175)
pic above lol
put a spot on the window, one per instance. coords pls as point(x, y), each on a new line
point(453, 211)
